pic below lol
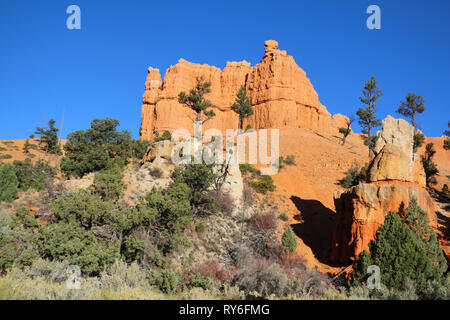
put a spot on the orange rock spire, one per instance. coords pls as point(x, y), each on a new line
point(279, 90)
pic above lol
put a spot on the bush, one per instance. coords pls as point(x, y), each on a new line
point(200, 228)
point(289, 160)
point(199, 178)
point(266, 278)
point(223, 201)
point(33, 176)
point(245, 168)
point(289, 240)
point(212, 269)
point(156, 172)
point(108, 184)
point(165, 136)
point(199, 281)
point(5, 156)
point(354, 176)
point(8, 183)
point(166, 280)
point(419, 139)
point(263, 185)
point(91, 150)
point(172, 212)
point(140, 148)
point(74, 244)
point(263, 221)
point(82, 208)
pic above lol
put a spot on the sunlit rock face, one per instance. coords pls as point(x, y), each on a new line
point(279, 90)
point(395, 177)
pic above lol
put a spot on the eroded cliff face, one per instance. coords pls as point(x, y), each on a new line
point(279, 90)
point(395, 177)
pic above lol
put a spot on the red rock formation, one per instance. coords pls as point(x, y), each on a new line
point(279, 90)
point(363, 209)
point(395, 177)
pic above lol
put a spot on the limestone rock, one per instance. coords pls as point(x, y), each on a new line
point(279, 91)
point(234, 186)
point(394, 154)
point(162, 149)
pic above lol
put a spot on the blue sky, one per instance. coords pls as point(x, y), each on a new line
point(100, 70)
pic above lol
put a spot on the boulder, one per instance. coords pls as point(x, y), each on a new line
point(362, 209)
point(394, 158)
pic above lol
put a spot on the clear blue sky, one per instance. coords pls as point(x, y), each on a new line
point(100, 70)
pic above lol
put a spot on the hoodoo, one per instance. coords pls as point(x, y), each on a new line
point(395, 177)
point(279, 90)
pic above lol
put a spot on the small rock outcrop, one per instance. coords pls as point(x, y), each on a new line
point(395, 177)
point(159, 157)
point(279, 91)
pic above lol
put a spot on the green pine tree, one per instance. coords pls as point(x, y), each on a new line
point(429, 165)
point(367, 118)
point(419, 139)
point(48, 138)
point(242, 106)
point(196, 101)
point(413, 105)
point(447, 140)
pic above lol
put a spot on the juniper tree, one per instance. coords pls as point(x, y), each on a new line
point(242, 106)
point(367, 118)
point(93, 149)
point(417, 219)
point(288, 240)
point(404, 248)
point(399, 253)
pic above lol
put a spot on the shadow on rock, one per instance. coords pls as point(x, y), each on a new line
point(317, 227)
